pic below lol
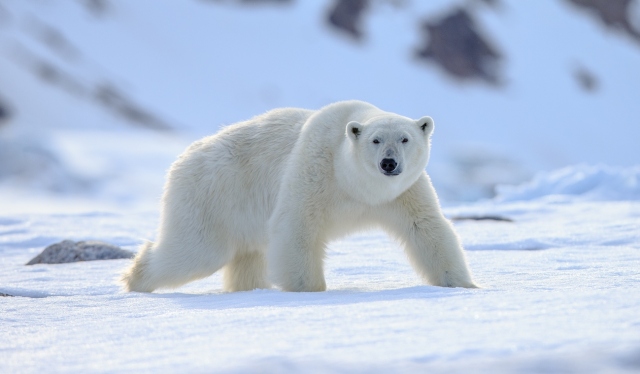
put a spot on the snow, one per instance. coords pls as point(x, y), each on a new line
point(560, 282)
point(560, 292)
point(588, 182)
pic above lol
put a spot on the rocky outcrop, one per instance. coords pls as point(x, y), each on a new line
point(615, 14)
point(454, 43)
point(70, 251)
point(346, 16)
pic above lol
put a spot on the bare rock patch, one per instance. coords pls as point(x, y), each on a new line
point(69, 251)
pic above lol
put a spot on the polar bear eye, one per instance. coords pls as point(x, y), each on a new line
point(376, 141)
point(404, 140)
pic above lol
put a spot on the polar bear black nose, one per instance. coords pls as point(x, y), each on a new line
point(388, 164)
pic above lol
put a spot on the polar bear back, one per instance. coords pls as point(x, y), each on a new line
point(225, 187)
point(230, 180)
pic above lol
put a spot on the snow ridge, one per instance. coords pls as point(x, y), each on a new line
point(583, 182)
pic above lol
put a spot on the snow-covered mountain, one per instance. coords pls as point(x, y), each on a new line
point(93, 90)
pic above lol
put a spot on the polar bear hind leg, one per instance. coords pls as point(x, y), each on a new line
point(162, 265)
point(246, 272)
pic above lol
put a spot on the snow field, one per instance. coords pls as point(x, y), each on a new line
point(561, 290)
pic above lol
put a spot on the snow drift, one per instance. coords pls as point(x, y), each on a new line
point(584, 182)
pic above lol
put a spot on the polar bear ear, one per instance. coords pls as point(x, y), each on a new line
point(426, 125)
point(354, 129)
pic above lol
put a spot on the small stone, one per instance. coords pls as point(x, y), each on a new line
point(70, 251)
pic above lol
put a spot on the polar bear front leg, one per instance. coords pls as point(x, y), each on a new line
point(296, 253)
point(430, 241)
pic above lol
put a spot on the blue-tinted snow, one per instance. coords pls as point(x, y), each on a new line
point(568, 305)
point(584, 182)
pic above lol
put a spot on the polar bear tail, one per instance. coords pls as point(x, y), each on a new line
point(137, 277)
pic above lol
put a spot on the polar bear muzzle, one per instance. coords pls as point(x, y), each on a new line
point(389, 167)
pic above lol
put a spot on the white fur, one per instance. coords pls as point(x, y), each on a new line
point(277, 188)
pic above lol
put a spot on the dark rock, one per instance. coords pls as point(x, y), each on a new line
point(492, 3)
point(454, 43)
point(70, 251)
point(346, 15)
point(482, 218)
point(251, 2)
point(258, 2)
point(48, 72)
point(114, 100)
point(105, 94)
point(613, 13)
point(5, 113)
point(2, 294)
point(53, 39)
point(586, 79)
point(97, 8)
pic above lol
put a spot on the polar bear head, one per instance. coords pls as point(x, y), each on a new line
point(386, 155)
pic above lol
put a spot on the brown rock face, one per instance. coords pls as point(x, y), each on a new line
point(454, 43)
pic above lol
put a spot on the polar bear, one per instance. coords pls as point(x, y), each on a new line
point(262, 198)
